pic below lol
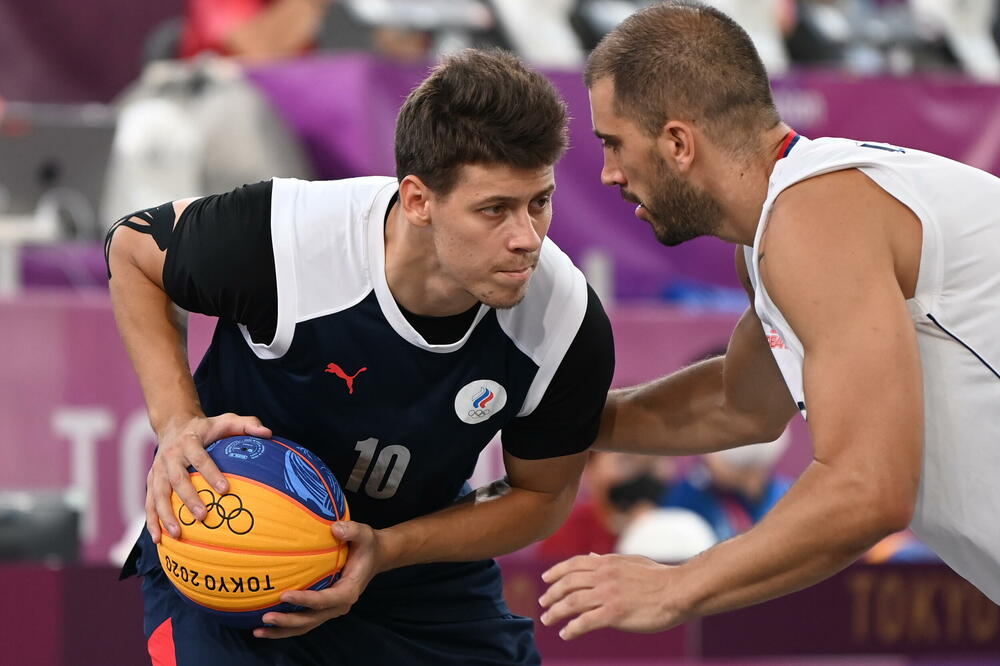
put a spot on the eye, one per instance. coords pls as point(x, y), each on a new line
point(493, 211)
point(542, 202)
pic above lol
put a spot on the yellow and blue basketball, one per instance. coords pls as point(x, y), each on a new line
point(271, 531)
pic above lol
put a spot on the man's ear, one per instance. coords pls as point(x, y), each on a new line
point(676, 144)
point(415, 199)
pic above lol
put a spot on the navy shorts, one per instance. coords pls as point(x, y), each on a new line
point(408, 634)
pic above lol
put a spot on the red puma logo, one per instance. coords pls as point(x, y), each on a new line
point(337, 370)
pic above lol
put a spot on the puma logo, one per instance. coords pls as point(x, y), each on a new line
point(337, 370)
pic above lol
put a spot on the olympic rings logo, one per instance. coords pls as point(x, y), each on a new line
point(226, 510)
point(479, 413)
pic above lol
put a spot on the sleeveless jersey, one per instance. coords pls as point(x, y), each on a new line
point(399, 421)
point(956, 312)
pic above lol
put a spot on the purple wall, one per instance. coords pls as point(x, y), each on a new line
point(72, 50)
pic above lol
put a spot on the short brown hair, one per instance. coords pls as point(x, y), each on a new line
point(478, 107)
point(682, 59)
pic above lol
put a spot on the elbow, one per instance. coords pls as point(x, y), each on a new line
point(882, 513)
point(762, 427)
point(893, 517)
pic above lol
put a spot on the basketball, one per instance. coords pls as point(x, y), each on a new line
point(268, 534)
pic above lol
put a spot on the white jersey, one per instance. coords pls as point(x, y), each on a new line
point(956, 312)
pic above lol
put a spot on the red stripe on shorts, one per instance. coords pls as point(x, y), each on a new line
point(161, 645)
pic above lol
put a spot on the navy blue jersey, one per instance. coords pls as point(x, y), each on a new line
point(399, 420)
point(398, 406)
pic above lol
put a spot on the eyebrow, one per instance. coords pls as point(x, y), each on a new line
point(500, 198)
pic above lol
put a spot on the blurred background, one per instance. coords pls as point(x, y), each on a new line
point(109, 106)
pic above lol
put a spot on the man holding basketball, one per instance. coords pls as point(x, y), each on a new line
point(392, 326)
point(873, 274)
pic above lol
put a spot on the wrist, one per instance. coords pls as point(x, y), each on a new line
point(391, 549)
point(164, 423)
point(689, 590)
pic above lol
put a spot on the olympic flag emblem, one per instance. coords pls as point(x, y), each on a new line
point(479, 400)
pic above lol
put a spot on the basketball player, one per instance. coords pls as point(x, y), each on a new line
point(874, 273)
point(393, 327)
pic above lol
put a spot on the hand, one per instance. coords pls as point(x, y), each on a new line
point(624, 592)
point(182, 445)
point(364, 561)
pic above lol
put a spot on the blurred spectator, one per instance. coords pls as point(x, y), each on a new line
point(261, 30)
point(190, 128)
point(252, 29)
point(732, 489)
point(615, 488)
point(666, 535)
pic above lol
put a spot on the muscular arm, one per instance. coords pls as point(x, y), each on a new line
point(540, 497)
point(153, 330)
point(831, 271)
point(154, 333)
point(731, 400)
point(833, 277)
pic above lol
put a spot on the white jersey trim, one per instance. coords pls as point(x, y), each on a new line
point(545, 323)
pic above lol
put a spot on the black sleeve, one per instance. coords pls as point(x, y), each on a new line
point(220, 261)
point(569, 414)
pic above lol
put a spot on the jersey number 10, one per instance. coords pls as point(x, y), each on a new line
point(384, 476)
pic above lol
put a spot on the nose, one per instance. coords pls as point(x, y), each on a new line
point(611, 173)
point(528, 233)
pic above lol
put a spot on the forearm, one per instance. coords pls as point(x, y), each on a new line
point(283, 29)
point(821, 526)
point(154, 335)
point(477, 530)
point(684, 413)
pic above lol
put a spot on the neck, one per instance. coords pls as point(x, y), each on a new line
point(740, 187)
point(414, 274)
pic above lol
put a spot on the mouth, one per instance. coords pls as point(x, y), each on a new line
point(631, 198)
point(517, 273)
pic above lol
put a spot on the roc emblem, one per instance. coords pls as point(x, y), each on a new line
point(479, 400)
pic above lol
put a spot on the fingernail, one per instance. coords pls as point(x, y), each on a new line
point(220, 486)
point(562, 634)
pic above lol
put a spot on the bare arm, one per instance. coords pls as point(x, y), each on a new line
point(282, 29)
point(728, 401)
point(154, 333)
point(540, 497)
point(831, 271)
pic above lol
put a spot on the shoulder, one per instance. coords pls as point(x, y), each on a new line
point(357, 195)
point(819, 213)
point(827, 244)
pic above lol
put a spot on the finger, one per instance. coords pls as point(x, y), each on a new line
point(180, 482)
point(310, 598)
point(291, 620)
point(348, 530)
point(152, 519)
point(203, 462)
point(285, 625)
point(229, 424)
point(580, 562)
point(273, 632)
point(597, 618)
point(574, 603)
point(577, 580)
point(161, 501)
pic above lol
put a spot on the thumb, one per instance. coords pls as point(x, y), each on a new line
point(227, 425)
point(348, 530)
